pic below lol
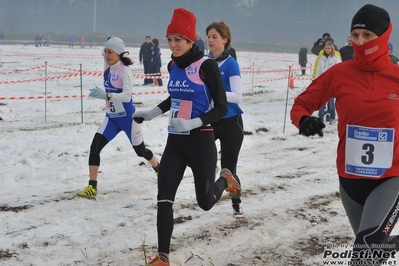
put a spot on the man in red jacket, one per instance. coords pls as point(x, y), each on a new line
point(367, 103)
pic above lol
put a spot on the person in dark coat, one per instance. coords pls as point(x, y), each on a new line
point(145, 58)
point(37, 40)
point(347, 51)
point(156, 62)
point(303, 58)
point(2, 38)
point(199, 42)
point(319, 44)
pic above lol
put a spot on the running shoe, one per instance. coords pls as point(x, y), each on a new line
point(233, 187)
point(156, 169)
point(88, 192)
point(157, 262)
point(237, 211)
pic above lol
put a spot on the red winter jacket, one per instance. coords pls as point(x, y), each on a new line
point(367, 94)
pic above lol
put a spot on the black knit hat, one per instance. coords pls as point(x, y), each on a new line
point(329, 39)
point(326, 35)
point(372, 18)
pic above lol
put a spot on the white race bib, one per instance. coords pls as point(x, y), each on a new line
point(115, 109)
point(368, 151)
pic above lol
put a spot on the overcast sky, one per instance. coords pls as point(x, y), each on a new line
point(253, 21)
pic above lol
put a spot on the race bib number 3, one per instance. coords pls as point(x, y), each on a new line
point(368, 151)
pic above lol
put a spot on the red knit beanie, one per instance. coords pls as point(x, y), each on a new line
point(183, 24)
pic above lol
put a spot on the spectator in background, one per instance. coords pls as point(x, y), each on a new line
point(46, 40)
point(328, 60)
point(318, 46)
point(156, 62)
point(321, 54)
point(37, 40)
point(2, 37)
point(347, 52)
point(71, 40)
point(303, 58)
point(199, 42)
point(90, 40)
point(145, 59)
point(394, 59)
point(40, 40)
point(82, 40)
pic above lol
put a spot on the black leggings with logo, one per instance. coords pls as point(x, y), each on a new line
point(372, 207)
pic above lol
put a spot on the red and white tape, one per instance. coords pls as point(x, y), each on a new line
point(74, 96)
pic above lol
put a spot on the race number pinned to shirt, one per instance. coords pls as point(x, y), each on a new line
point(180, 109)
point(114, 109)
point(368, 151)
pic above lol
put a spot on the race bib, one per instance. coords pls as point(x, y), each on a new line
point(180, 109)
point(114, 109)
point(368, 151)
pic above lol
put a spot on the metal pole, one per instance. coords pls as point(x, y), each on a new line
point(81, 94)
point(253, 76)
point(45, 92)
point(95, 16)
point(286, 98)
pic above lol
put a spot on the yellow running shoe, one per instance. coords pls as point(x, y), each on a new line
point(233, 187)
point(157, 262)
point(88, 192)
point(156, 169)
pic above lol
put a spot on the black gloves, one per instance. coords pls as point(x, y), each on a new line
point(310, 126)
point(141, 116)
point(138, 120)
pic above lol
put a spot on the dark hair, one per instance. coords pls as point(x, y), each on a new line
point(125, 60)
point(329, 39)
point(155, 42)
point(223, 30)
point(148, 36)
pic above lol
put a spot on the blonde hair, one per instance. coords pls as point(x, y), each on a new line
point(332, 47)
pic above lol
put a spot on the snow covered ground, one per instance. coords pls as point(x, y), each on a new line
point(290, 187)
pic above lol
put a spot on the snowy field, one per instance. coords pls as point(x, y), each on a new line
point(290, 187)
